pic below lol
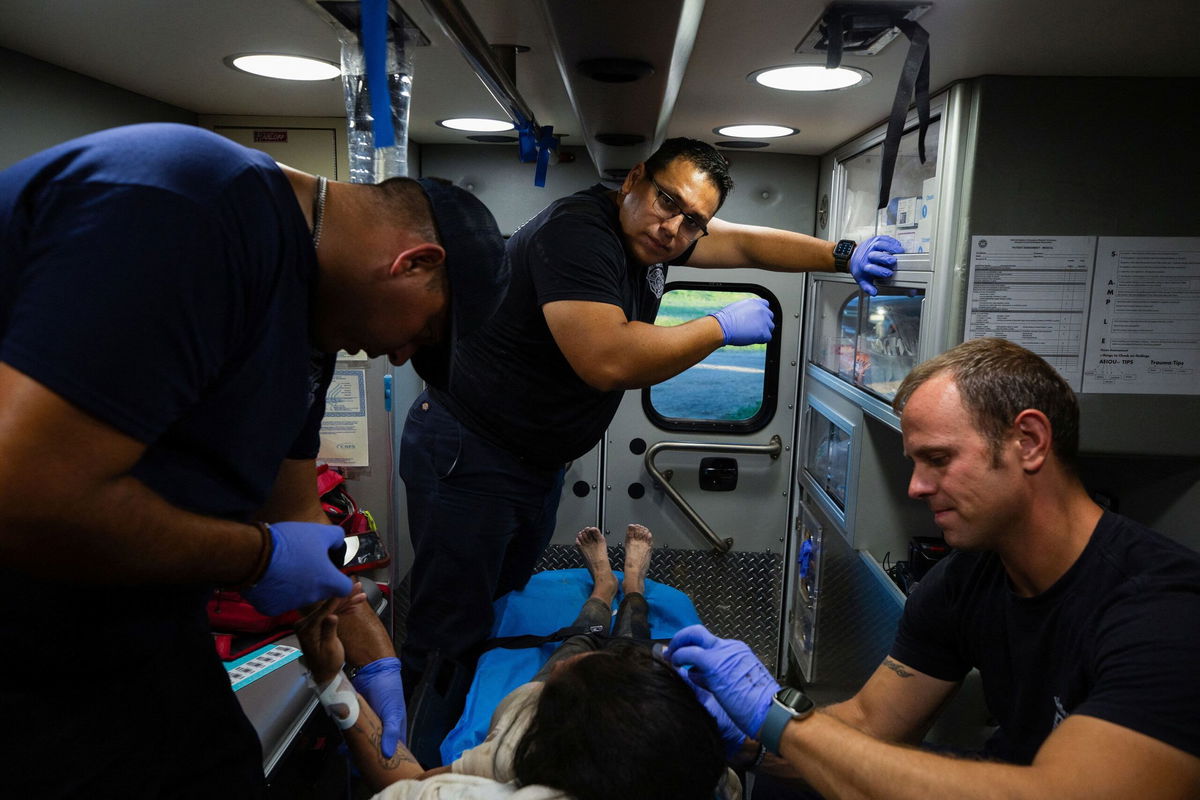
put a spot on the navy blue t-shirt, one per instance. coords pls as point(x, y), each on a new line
point(158, 277)
point(511, 384)
point(1117, 638)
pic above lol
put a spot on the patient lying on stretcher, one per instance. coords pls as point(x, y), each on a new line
point(602, 718)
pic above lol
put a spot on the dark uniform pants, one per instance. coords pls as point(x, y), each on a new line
point(479, 517)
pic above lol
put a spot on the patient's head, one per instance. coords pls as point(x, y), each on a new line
point(621, 723)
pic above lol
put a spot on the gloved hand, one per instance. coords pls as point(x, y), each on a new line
point(300, 571)
point(731, 735)
point(748, 321)
point(381, 684)
point(728, 669)
point(874, 259)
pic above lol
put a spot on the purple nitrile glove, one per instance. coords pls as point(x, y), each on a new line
point(728, 669)
point(300, 571)
point(731, 735)
point(748, 321)
point(380, 683)
point(874, 260)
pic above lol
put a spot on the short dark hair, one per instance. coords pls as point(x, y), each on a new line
point(404, 200)
point(621, 723)
point(997, 380)
point(702, 155)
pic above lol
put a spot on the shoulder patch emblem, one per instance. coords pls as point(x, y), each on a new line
point(656, 279)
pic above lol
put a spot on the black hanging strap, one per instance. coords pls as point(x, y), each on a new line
point(914, 76)
point(562, 634)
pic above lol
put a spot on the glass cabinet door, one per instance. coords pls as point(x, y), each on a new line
point(911, 208)
point(889, 337)
point(806, 582)
point(870, 342)
point(827, 456)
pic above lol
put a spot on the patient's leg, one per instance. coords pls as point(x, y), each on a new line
point(597, 609)
point(633, 615)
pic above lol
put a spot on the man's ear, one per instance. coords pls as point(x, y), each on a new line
point(1034, 437)
point(632, 177)
point(425, 257)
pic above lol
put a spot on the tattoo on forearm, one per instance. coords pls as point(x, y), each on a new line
point(897, 667)
point(374, 733)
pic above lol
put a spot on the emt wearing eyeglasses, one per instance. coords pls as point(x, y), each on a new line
point(484, 448)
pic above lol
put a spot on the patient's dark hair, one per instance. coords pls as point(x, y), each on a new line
point(621, 723)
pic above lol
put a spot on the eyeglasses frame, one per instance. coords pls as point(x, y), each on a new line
point(687, 218)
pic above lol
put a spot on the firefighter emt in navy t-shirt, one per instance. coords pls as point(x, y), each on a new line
point(483, 453)
point(1084, 625)
point(170, 307)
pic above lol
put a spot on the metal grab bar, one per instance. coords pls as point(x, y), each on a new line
point(457, 24)
point(772, 449)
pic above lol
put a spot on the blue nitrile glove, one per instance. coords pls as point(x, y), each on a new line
point(300, 571)
point(380, 683)
point(748, 321)
point(728, 669)
point(874, 259)
point(731, 735)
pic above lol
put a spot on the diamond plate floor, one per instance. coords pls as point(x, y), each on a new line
point(737, 595)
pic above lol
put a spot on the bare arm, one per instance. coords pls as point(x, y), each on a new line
point(896, 704)
point(1083, 758)
point(65, 474)
point(731, 244)
point(324, 656)
point(609, 352)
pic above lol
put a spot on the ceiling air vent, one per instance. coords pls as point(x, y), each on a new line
point(620, 139)
point(614, 70)
point(859, 28)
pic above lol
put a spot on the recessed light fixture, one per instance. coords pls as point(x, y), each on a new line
point(810, 78)
point(755, 131)
point(476, 124)
point(288, 68)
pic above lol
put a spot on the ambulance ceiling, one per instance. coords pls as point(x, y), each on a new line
point(701, 52)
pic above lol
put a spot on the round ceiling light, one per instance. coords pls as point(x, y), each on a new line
point(755, 131)
point(476, 124)
point(288, 68)
point(810, 78)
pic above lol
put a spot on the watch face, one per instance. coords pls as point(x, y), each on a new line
point(800, 703)
point(843, 249)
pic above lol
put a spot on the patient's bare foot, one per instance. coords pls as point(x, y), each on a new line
point(639, 543)
point(592, 545)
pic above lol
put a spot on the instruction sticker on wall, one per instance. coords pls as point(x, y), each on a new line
point(1144, 336)
point(344, 428)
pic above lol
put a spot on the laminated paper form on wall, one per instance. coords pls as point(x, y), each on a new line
point(1144, 336)
point(344, 428)
point(1033, 290)
point(1112, 314)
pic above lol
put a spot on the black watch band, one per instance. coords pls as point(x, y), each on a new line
point(841, 255)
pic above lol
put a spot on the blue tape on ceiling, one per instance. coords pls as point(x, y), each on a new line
point(374, 42)
point(526, 142)
point(546, 143)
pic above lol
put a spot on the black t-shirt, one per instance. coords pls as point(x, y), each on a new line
point(1117, 638)
point(511, 384)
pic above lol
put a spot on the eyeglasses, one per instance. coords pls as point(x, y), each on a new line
point(667, 207)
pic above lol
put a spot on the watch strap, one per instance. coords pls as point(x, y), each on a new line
point(779, 714)
point(841, 255)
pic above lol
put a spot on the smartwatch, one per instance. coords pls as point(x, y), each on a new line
point(787, 705)
point(841, 255)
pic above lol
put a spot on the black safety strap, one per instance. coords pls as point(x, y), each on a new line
point(562, 634)
point(914, 76)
